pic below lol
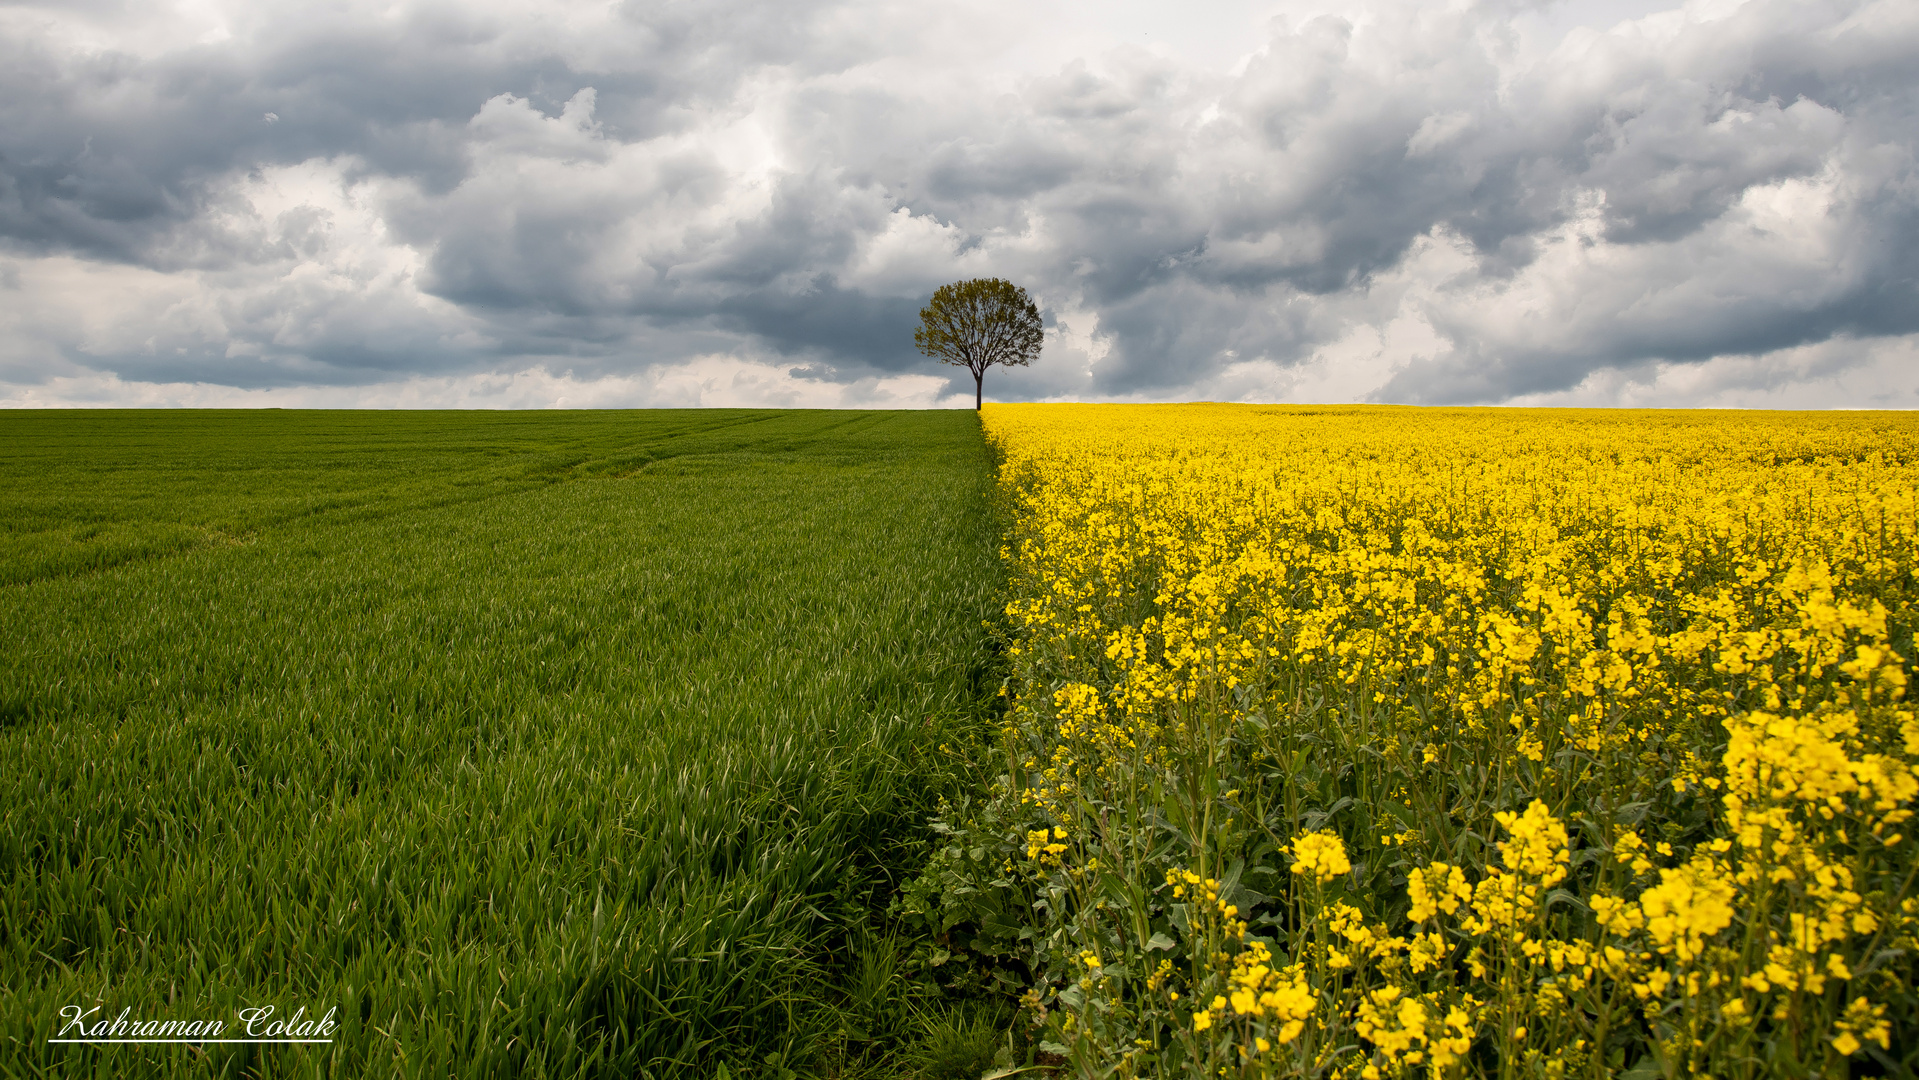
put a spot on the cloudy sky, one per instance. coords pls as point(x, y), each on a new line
point(741, 202)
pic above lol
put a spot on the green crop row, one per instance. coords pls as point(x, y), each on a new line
point(533, 744)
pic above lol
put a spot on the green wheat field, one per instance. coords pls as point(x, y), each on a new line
point(529, 744)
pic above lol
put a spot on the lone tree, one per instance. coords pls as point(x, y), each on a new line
point(976, 324)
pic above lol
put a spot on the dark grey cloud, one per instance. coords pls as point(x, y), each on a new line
point(344, 197)
point(106, 151)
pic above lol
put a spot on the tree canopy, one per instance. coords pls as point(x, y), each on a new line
point(978, 323)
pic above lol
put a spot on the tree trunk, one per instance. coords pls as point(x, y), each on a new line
point(979, 379)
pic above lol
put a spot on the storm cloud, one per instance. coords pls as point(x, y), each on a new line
point(723, 202)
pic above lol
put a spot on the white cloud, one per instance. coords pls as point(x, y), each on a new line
point(704, 382)
point(1602, 200)
point(1841, 373)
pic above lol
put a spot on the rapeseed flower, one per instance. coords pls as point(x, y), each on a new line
point(1452, 725)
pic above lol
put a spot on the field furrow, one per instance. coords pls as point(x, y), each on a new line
point(534, 744)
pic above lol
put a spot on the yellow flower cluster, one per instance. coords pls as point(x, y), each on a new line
point(1486, 741)
point(1321, 855)
point(1262, 994)
point(1407, 1030)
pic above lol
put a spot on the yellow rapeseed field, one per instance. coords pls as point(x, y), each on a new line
point(1374, 741)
